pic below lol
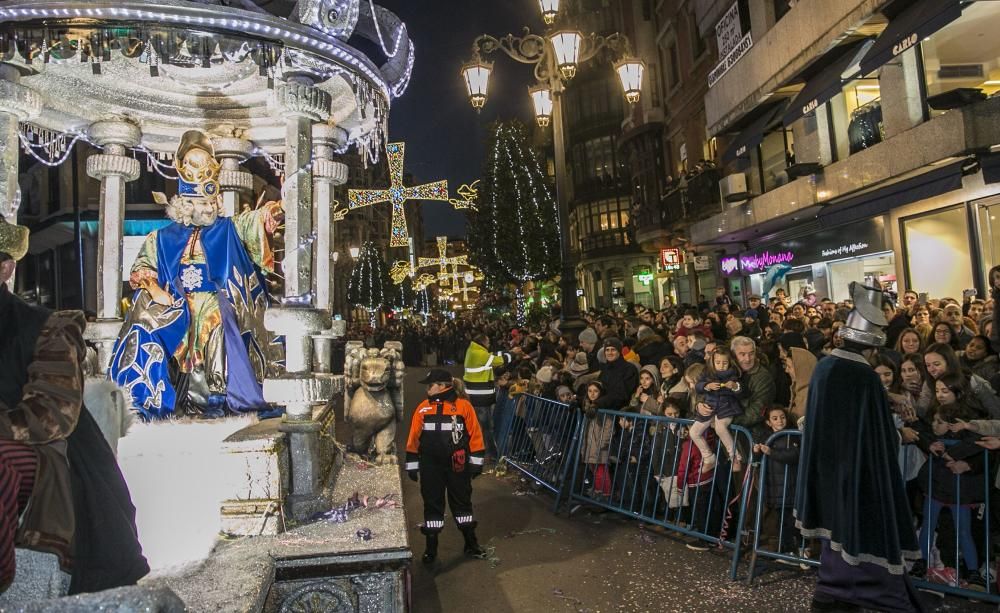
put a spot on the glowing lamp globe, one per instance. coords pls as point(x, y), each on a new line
point(566, 44)
point(630, 72)
point(477, 80)
point(550, 8)
point(541, 99)
point(355, 252)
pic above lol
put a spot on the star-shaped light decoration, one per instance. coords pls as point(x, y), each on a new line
point(470, 197)
point(397, 194)
point(400, 271)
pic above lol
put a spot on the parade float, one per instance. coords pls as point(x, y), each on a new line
point(139, 81)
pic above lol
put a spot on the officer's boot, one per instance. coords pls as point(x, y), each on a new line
point(472, 547)
point(431, 552)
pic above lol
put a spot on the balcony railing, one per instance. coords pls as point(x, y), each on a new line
point(696, 199)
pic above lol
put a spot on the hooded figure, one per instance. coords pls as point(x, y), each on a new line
point(646, 399)
point(850, 492)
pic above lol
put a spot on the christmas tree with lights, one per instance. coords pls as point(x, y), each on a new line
point(514, 234)
point(370, 287)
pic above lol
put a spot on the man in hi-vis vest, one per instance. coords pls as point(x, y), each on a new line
point(480, 386)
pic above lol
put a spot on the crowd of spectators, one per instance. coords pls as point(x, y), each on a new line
point(750, 365)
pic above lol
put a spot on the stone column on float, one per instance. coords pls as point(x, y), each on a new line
point(113, 167)
point(327, 174)
point(303, 395)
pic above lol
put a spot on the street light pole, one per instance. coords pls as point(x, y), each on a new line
point(555, 61)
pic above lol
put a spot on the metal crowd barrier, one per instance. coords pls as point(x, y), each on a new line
point(782, 508)
point(646, 468)
point(539, 439)
point(982, 510)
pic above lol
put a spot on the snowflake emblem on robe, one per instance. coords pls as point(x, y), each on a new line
point(191, 278)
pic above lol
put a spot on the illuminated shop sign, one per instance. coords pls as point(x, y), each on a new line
point(671, 258)
point(854, 240)
point(730, 264)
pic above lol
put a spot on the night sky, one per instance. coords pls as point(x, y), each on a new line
point(442, 131)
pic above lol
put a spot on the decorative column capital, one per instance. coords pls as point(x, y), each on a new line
point(20, 101)
point(115, 133)
point(329, 171)
point(229, 148)
point(102, 166)
point(235, 181)
point(296, 99)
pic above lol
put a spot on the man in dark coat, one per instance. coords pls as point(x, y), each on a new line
point(619, 378)
point(61, 491)
point(850, 492)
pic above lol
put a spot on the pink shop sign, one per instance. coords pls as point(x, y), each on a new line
point(757, 262)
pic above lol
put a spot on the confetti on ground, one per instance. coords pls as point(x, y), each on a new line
point(527, 532)
point(339, 515)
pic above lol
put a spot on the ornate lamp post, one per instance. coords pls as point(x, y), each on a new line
point(555, 58)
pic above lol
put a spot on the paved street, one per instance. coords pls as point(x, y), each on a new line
point(590, 563)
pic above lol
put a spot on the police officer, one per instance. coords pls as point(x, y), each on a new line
point(445, 452)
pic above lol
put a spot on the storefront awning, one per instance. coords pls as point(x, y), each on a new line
point(752, 135)
point(911, 25)
point(929, 184)
point(828, 81)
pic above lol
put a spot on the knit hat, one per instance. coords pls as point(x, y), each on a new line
point(545, 374)
point(613, 341)
point(580, 365)
point(644, 332)
point(562, 389)
point(588, 336)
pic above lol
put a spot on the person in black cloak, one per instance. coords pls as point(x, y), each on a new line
point(850, 492)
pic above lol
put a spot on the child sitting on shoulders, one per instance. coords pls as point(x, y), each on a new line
point(719, 386)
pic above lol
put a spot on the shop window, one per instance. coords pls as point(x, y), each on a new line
point(988, 211)
point(876, 271)
point(965, 53)
point(856, 117)
point(937, 253)
point(776, 153)
point(698, 46)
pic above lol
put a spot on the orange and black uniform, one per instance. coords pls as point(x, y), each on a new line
point(445, 446)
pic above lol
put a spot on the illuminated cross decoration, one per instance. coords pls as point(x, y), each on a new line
point(464, 289)
point(397, 194)
point(443, 260)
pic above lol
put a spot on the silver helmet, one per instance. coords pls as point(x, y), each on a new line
point(866, 321)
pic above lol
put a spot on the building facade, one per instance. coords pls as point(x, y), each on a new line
point(859, 143)
point(671, 157)
point(612, 270)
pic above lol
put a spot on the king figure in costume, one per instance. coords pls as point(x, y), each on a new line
point(850, 490)
point(200, 300)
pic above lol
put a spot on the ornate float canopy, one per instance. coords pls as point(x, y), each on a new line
point(174, 65)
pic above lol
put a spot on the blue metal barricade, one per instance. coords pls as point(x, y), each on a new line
point(789, 547)
point(646, 467)
point(945, 580)
point(539, 440)
point(965, 548)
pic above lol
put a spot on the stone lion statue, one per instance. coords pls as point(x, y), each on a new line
point(373, 399)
